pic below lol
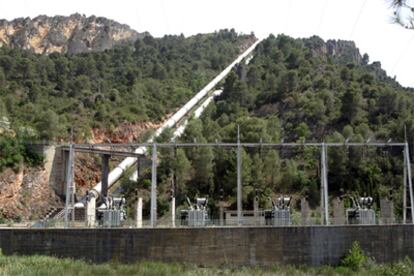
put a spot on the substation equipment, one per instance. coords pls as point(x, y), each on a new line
point(362, 212)
point(279, 215)
point(112, 212)
point(196, 214)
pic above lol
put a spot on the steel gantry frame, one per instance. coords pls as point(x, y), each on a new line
point(69, 211)
point(114, 149)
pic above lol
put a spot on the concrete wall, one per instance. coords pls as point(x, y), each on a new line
point(58, 171)
point(264, 246)
point(55, 165)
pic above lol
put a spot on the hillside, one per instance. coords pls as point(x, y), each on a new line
point(118, 95)
point(136, 82)
point(297, 90)
point(292, 90)
point(65, 34)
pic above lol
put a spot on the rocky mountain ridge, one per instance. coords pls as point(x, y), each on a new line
point(65, 34)
point(342, 51)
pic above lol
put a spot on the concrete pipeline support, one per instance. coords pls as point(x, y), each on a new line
point(117, 172)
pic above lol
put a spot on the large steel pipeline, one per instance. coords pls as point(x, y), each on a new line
point(180, 130)
point(117, 172)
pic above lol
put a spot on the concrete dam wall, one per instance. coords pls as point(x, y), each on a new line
point(263, 246)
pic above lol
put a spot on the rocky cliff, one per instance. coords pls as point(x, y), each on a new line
point(345, 49)
point(73, 34)
point(341, 51)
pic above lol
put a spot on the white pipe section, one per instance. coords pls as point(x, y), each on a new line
point(117, 172)
point(180, 130)
point(197, 113)
point(139, 213)
point(248, 59)
point(173, 212)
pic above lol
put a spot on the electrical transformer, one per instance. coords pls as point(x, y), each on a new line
point(112, 213)
point(279, 215)
point(196, 215)
point(361, 212)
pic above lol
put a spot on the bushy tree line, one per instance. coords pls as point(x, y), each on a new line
point(14, 152)
point(142, 81)
point(294, 91)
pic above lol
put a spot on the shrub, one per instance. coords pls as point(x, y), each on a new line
point(405, 267)
point(31, 157)
point(13, 152)
point(10, 153)
point(356, 258)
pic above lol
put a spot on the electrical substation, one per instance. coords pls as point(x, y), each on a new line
point(104, 210)
point(103, 225)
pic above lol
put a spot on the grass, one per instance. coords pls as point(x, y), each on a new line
point(43, 265)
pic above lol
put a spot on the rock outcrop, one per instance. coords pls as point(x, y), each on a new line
point(26, 194)
point(341, 51)
point(346, 49)
point(73, 34)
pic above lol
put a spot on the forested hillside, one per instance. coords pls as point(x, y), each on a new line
point(297, 90)
point(42, 97)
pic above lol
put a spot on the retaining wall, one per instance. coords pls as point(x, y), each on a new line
point(264, 246)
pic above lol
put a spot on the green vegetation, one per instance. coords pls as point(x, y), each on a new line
point(44, 97)
point(355, 258)
point(292, 90)
point(41, 265)
point(14, 152)
point(297, 90)
point(132, 83)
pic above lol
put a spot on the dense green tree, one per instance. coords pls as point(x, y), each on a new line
point(135, 82)
point(288, 83)
point(298, 91)
point(272, 169)
point(183, 172)
point(351, 106)
point(48, 123)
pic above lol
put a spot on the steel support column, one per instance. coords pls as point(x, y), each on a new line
point(239, 180)
point(404, 189)
point(70, 188)
point(322, 204)
point(173, 211)
point(324, 186)
point(105, 173)
point(139, 212)
point(410, 184)
point(138, 168)
point(326, 196)
point(154, 187)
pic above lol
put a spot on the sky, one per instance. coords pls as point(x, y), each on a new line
point(367, 22)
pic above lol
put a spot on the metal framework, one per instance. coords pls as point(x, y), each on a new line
point(69, 210)
point(92, 147)
point(154, 187)
point(108, 149)
point(239, 180)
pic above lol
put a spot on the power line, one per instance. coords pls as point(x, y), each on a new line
point(288, 16)
point(358, 17)
point(402, 54)
point(322, 15)
point(166, 21)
